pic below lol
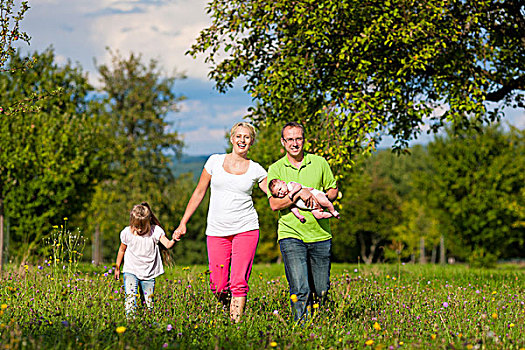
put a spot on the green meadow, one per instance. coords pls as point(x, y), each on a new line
point(370, 306)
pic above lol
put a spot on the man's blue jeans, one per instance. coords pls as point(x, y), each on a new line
point(307, 267)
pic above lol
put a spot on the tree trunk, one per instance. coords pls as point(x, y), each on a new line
point(370, 257)
point(422, 257)
point(442, 250)
point(97, 246)
point(1, 236)
point(434, 255)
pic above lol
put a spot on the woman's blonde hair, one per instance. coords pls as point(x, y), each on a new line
point(140, 219)
point(248, 126)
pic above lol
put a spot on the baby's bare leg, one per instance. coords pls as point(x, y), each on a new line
point(295, 212)
point(319, 214)
point(325, 203)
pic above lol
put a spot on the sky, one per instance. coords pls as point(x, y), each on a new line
point(81, 30)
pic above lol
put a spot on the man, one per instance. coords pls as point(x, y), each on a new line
point(305, 247)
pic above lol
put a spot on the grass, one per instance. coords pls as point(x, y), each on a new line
point(376, 307)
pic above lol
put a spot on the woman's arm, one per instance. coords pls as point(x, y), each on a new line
point(193, 203)
point(263, 185)
point(120, 256)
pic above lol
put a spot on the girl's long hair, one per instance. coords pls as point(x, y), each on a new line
point(154, 221)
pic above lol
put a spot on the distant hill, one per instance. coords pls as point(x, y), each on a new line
point(189, 164)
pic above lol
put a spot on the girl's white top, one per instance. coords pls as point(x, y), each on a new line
point(231, 208)
point(142, 256)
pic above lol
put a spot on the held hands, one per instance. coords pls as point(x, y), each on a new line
point(179, 232)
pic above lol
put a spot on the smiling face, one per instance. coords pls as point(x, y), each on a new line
point(293, 141)
point(241, 140)
point(279, 188)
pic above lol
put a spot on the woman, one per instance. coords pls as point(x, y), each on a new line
point(233, 226)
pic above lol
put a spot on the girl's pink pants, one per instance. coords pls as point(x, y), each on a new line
point(230, 262)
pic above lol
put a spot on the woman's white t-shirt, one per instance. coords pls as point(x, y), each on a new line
point(142, 256)
point(231, 208)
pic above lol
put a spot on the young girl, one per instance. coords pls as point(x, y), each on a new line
point(142, 261)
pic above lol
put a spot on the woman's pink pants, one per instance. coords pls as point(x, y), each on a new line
point(230, 262)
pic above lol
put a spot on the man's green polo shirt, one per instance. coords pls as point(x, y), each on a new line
point(314, 172)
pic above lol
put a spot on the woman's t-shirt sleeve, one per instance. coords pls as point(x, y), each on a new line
point(260, 173)
point(210, 163)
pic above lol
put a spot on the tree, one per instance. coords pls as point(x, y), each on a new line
point(352, 71)
point(137, 98)
point(477, 183)
point(51, 155)
point(10, 32)
point(10, 18)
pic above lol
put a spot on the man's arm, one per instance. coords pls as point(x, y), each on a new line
point(283, 203)
point(332, 194)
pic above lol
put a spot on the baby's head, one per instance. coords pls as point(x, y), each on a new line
point(278, 188)
point(140, 219)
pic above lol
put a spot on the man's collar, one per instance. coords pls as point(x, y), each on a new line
point(306, 160)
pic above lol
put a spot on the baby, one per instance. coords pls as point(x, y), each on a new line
point(279, 189)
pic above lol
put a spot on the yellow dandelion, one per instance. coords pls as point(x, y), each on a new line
point(294, 298)
point(511, 325)
point(433, 336)
point(315, 306)
point(377, 327)
point(369, 342)
point(4, 306)
point(469, 346)
point(401, 343)
point(494, 315)
point(121, 329)
point(55, 226)
point(65, 219)
point(494, 292)
point(273, 344)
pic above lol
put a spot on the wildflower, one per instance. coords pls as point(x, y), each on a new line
point(275, 312)
point(294, 298)
point(165, 345)
point(3, 306)
point(469, 346)
point(65, 219)
point(433, 336)
point(273, 344)
point(511, 325)
point(121, 329)
point(445, 304)
point(169, 327)
point(494, 315)
point(369, 342)
point(494, 292)
point(377, 327)
point(315, 306)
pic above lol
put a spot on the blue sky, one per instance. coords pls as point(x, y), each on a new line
point(80, 31)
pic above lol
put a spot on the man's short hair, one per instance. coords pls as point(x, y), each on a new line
point(292, 125)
